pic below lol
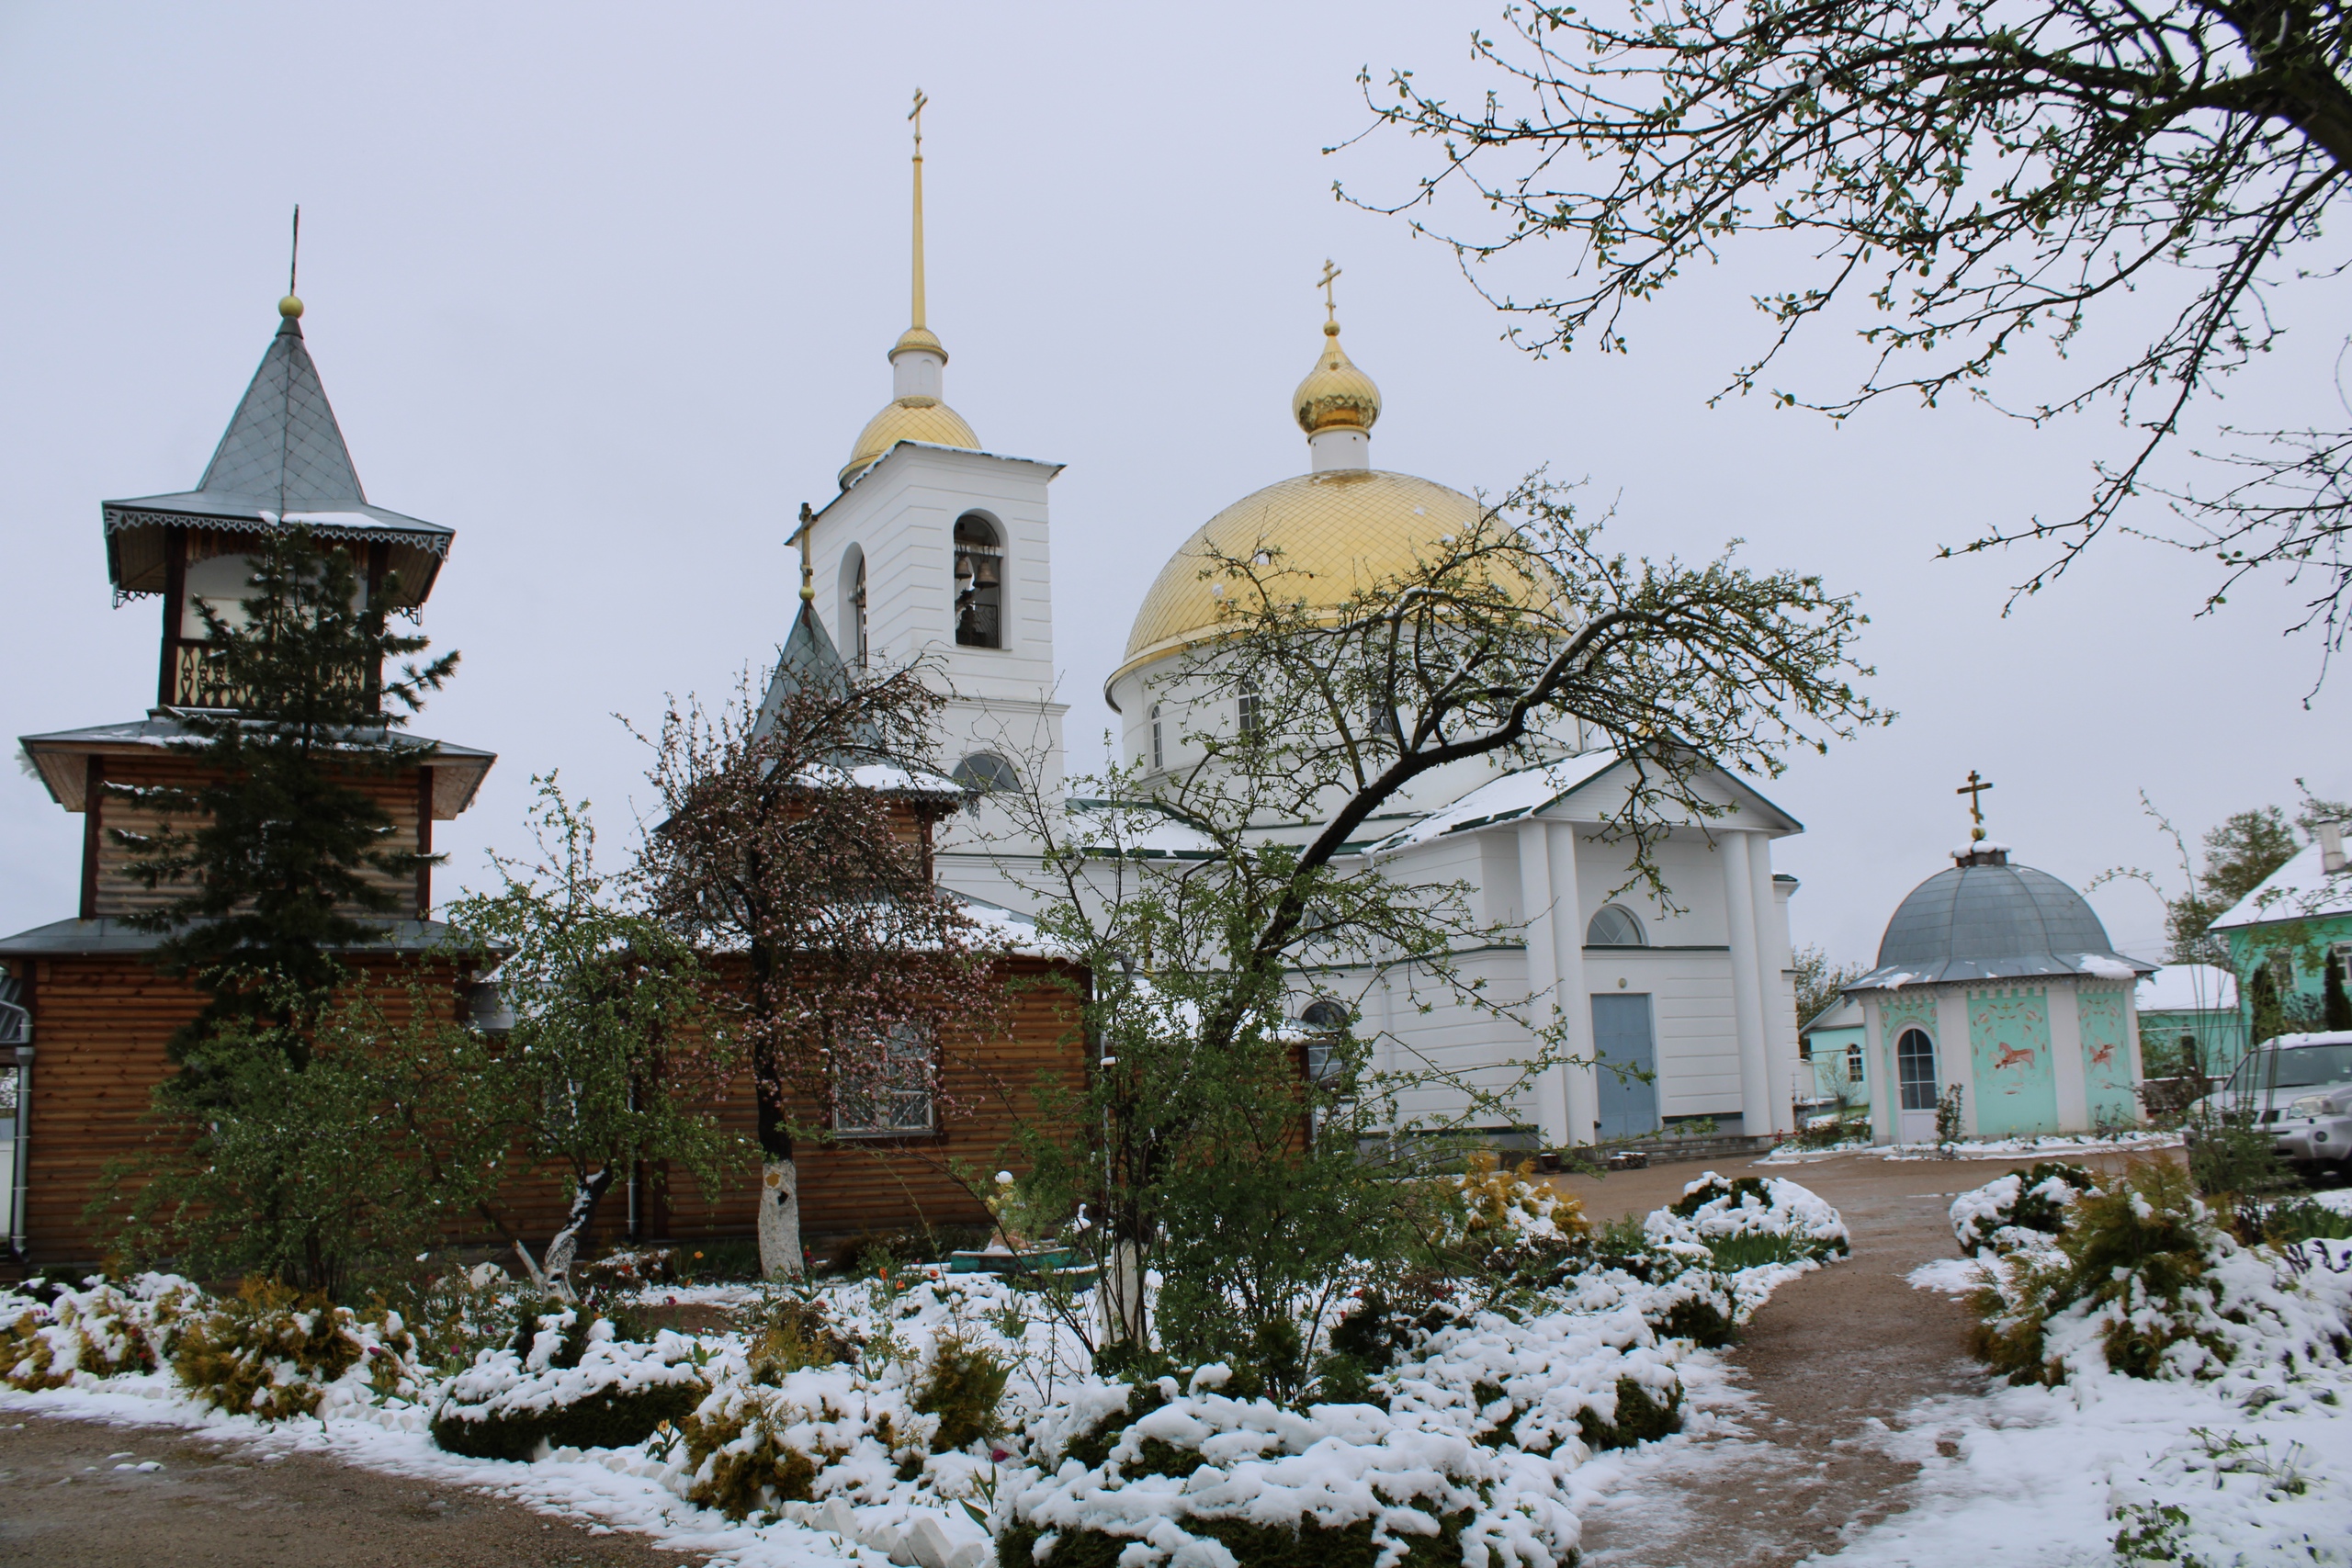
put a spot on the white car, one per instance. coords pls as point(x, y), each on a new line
point(2299, 1088)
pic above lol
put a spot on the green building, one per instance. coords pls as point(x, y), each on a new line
point(1999, 979)
point(2188, 1013)
point(2296, 922)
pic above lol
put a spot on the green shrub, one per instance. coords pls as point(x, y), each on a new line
point(51, 1330)
point(1756, 1248)
point(273, 1351)
point(1714, 1187)
point(1310, 1545)
point(2303, 1219)
point(1641, 1417)
point(798, 1334)
point(964, 1387)
point(564, 1384)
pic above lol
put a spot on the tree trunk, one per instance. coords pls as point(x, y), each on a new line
point(1121, 1289)
point(566, 1245)
point(779, 1187)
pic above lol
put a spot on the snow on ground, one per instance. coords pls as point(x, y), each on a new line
point(2250, 1464)
point(2044, 1147)
point(1522, 1460)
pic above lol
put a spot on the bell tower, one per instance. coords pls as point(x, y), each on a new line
point(936, 548)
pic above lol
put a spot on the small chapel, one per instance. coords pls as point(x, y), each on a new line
point(1996, 987)
point(1682, 1011)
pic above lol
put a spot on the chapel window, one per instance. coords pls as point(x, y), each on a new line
point(1615, 926)
point(1328, 1020)
point(1915, 1070)
point(985, 773)
point(885, 1092)
point(857, 609)
point(1853, 1064)
point(979, 583)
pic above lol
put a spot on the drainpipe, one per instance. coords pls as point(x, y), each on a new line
point(19, 1179)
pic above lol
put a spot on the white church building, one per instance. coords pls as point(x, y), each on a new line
point(935, 546)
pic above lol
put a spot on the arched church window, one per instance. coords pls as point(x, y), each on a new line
point(1327, 1018)
point(979, 583)
point(1247, 709)
point(985, 773)
point(852, 580)
point(1614, 926)
point(1915, 1070)
point(1159, 748)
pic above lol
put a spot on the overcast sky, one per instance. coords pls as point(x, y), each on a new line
point(607, 291)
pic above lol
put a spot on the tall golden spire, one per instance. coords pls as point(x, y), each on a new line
point(915, 115)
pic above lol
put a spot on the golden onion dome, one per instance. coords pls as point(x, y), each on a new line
point(918, 337)
point(1335, 395)
point(909, 419)
point(1336, 534)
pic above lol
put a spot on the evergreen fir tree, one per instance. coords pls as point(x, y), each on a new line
point(2336, 1006)
point(2262, 994)
point(280, 852)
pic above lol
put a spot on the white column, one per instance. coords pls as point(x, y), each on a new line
point(1885, 1105)
point(2066, 1057)
point(1955, 1059)
point(1583, 1090)
point(1772, 960)
point(1541, 917)
point(1756, 1094)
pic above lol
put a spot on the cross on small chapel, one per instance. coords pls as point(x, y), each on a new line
point(1330, 276)
point(1975, 789)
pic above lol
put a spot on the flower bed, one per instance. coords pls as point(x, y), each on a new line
point(568, 1381)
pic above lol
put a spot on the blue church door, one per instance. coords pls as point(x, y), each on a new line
point(1621, 1037)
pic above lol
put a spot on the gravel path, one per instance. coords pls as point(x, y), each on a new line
point(1835, 1358)
point(80, 1494)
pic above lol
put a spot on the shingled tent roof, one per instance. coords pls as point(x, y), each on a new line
point(282, 461)
point(809, 661)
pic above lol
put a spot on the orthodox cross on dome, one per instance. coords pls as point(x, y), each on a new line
point(1330, 276)
point(915, 114)
point(1975, 789)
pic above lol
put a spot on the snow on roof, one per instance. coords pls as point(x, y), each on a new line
point(2188, 987)
point(1143, 830)
point(1843, 1013)
point(1500, 800)
point(2300, 890)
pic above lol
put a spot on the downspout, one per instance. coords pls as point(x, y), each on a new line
point(17, 1024)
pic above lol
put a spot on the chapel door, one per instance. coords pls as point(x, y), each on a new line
point(1915, 1083)
point(1622, 1038)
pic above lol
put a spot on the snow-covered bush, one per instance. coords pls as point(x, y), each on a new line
point(1491, 1205)
point(817, 1432)
point(2024, 1209)
point(2143, 1281)
point(1750, 1221)
point(1190, 1475)
point(49, 1333)
point(274, 1353)
point(567, 1381)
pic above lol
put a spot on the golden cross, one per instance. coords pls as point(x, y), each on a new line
point(1975, 789)
point(915, 114)
point(808, 572)
point(1330, 276)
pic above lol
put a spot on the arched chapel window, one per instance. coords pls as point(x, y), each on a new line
point(1614, 926)
point(1326, 1019)
point(1853, 1064)
point(1915, 1070)
point(985, 773)
point(979, 583)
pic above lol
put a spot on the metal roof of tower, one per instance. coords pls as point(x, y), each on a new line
point(282, 461)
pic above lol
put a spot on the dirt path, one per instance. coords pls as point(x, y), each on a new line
point(75, 1493)
point(1830, 1360)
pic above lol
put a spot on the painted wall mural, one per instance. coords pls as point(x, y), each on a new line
point(2016, 1083)
point(2106, 1059)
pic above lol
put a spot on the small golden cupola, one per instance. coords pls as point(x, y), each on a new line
point(1337, 404)
point(918, 372)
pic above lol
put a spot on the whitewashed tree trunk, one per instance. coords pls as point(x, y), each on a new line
point(566, 1245)
point(1121, 1290)
point(780, 1219)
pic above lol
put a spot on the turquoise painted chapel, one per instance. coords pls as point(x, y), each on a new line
point(2000, 978)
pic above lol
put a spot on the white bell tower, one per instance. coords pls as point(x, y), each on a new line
point(935, 548)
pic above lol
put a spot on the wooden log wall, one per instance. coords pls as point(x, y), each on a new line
point(110, 891)
point(101, 1024)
